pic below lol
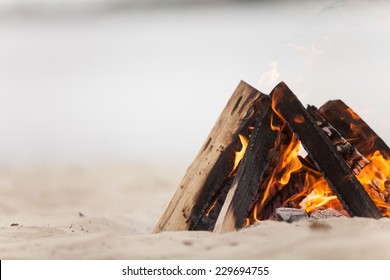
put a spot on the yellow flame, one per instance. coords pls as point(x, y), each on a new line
point(375, 179)
point(353, 114)
point(320, 197)
point(211, 208)
point(316, 193)
point(241, 153)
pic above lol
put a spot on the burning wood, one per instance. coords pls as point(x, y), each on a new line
point(375, 182)
point(249, 168)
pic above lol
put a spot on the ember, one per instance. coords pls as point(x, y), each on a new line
point(346, 169)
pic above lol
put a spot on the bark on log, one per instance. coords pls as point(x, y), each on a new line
point(321, 150)
point(353, 128)
point(206, 178)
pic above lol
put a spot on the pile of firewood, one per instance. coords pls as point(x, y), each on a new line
point(249, 169)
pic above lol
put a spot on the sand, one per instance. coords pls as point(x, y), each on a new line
point(107, 211)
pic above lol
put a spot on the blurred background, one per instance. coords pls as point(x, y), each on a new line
point(84, 81)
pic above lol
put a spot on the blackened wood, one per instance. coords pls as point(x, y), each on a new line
point(355, 160)
point(240, 109)
point(250, 175)
point(321, 150)
point(210, 200)
point(353, 128)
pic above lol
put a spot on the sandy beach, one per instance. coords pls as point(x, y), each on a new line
point(88, 91)
point(107, 211)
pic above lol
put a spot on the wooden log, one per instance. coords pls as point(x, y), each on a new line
point(252, 172)
point(209, 170)
point(339, 176)
point(353, 128)
point(356, 161)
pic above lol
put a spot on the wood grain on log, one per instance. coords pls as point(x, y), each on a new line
point(205, 177)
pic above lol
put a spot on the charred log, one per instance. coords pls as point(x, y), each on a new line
point(326, 157)
point(258, 158)
point(353, 128)
point(355, 160)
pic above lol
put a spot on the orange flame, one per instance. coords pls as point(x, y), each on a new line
point(375, 180)
point(353, 114)
point(240, 154)
point(321, 196)
point(282, 173)
point(211, 208)
point(316, 193)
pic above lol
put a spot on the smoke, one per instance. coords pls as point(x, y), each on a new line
point(269, 79)
point(314, 52)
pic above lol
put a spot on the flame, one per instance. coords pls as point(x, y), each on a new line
point(282, 173)
point(211, 208)
point(274, 127)
point(240, 154)
point(375, 180)
point(316, 193)
point(374, 177)
point(353, 114)
point(321, 196)
point(238, 157)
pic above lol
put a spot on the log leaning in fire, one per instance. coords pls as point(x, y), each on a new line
point(321, 150)
point(213, 163)
point(252, 172)
point(353, 128)
point(354, 159)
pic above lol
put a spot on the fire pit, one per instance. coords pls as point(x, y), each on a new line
point(250, 169)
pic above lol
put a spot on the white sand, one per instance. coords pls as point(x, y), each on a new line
point(121, 204)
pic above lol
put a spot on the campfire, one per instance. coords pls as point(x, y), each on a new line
point(250, 168)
